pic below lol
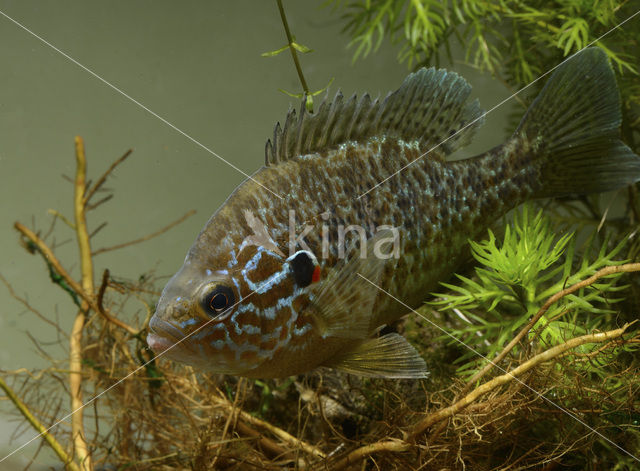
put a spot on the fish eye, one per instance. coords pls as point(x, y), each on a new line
point(217, 299)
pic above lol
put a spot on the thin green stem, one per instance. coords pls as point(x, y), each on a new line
point(294, 54)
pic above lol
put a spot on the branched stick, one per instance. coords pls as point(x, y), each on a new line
point(606, 271)
point(270, 447)
point(104, 176)
point(511, 375)
point(148, 236)
point(103, 288)
point(37, 425)
point(287, 438)
point(75, 343)
point(363, 452)
point(442, 414)
point(232, 418)
point(26, 304)
point(47, 253)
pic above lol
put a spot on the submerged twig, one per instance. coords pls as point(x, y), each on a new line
point(57, 214)
point(403, 445)
point(104, 176)
point(509, 376)
point(357, 455)
point(90, 207)
point(286, 437)
point(147, 237)
point(37, 425)
point(75, 342)
point(606, 271)
point(73, 285)
point(103, 287)
point(26, 304)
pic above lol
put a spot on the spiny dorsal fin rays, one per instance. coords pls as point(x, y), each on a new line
point(345, 121)
point(429, 107)
point(343, 305)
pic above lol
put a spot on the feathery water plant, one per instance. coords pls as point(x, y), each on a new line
point(516, 277)
point(515, 41)
point(490, 30)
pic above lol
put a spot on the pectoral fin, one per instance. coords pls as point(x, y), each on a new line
point(389, 356)
point(344, 301)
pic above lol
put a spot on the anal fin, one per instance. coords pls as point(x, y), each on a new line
point(389, 356)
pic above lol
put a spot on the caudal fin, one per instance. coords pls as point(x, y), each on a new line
point(573, 127)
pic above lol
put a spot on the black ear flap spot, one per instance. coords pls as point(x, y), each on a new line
point(303, 266)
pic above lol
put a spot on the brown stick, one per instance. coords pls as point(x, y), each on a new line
point(26, 304)
point(286, 437)
point(270, 448)
point(626, 268)
point(73, 284)
point(103, 288)
point(75, 343)
point(104, 176)
point(361, 453)
point(511, 375)
point(148, 236)
point(37, 425)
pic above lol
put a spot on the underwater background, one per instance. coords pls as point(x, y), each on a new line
point(198, 65)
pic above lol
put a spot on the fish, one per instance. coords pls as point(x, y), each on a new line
point(357, 214)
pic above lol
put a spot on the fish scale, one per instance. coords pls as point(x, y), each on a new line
point(271, 304)
point(451, 198)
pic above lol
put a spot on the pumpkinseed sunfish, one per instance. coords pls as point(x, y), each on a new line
point(265, 293)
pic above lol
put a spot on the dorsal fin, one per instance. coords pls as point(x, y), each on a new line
point(429, 106)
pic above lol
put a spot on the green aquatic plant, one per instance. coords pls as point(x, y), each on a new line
point(295, 48)
point(517, 275)
point(492, 31)
point(542, 285)
point(515, 41)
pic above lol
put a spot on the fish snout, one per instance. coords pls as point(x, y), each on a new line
point(158, 344)
point(163, 335)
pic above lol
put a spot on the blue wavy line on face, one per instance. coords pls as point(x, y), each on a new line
point(188, 322)
point(267, 313)
point(233, 260)
point(219, 344)
point(235, 282)
point(252, 264)
point(207, 331)
point(247, 328)
point(246, 347)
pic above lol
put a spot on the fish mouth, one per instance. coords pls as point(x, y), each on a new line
point(158, 344)
point(163, 336)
